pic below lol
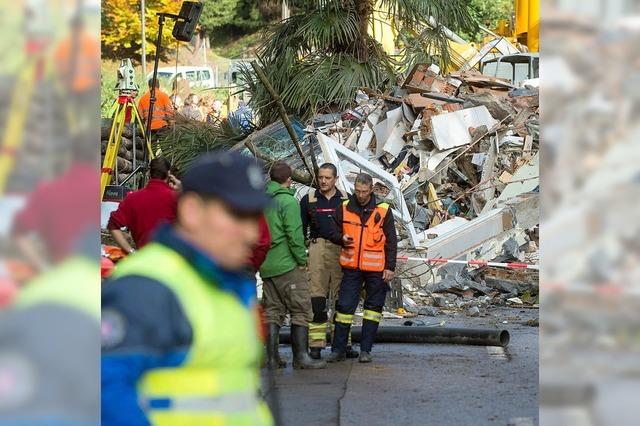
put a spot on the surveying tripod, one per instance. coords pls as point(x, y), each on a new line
point(125, 111)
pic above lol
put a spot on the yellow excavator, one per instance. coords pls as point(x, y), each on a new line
point(515, 35)
point(524, 28)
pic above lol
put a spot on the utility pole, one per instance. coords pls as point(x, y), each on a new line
point(204, 48)
point(144, 42)
point(286, 12)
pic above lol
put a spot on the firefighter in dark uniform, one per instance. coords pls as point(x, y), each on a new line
point(368, 256)
point(318, 210)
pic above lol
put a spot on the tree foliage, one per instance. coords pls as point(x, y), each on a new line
point(323, 54)
point(217, 13)
point(122, 27)
point(488, 13)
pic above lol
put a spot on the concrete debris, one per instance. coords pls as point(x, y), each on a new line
point(452, 129)
point(473, 311)
point(456, 156)
point(498, 107)
point(429, 311)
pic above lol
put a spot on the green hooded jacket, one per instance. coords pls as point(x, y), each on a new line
point(285, 226)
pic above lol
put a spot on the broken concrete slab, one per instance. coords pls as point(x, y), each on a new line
point(443, 228)
point(473, 311)
point(395, 142)
point(429, 162)
point(429, 311)
point(451, 129)
point(368, 130)
point(384, 128)
point(531, 172)
point(499, 108)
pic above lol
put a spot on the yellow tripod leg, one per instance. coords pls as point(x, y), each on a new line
point(111, 153)
point(147, 140)
point(16, 120)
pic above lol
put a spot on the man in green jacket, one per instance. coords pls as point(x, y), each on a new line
point(285, 285)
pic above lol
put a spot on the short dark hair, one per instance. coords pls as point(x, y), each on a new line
point(330, 166)
point(151, 82)
point(159, 168)
point(364, 178)
point(280, 172)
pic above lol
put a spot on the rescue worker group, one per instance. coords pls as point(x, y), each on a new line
point(182, 336)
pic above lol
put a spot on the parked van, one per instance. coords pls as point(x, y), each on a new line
point(201, 77)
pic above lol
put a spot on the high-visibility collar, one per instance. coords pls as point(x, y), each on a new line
point(237, 283)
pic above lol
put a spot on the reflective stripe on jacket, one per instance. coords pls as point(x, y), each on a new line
point(218, 382)
point(367, 252)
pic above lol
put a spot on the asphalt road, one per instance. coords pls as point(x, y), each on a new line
point(429, 384)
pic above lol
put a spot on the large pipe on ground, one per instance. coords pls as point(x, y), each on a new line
point(418, 334)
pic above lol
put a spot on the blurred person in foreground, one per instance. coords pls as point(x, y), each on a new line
point(55, 213)
point(50, 344)
point(141, 212)
point(179, 326)
point(285, 285)
point(367, 234)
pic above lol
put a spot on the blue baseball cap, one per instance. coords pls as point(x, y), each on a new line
point(234, 178)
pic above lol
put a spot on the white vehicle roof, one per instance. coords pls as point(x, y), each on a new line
point(181, 68)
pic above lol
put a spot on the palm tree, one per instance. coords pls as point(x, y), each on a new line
point(319, 57)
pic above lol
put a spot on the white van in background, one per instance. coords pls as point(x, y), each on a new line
point(202, 77)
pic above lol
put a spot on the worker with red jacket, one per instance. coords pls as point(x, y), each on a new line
point(142, 211)
point(262, 247)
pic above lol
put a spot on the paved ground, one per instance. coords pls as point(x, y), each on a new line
point(423, 384)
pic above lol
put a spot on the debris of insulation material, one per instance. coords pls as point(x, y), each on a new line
point(456, 156)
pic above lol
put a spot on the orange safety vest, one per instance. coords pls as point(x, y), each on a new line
point(86, 66)
point(367, 252)
point(162, 109)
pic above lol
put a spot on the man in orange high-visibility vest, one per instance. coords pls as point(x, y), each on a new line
point(369, 243)
point(163, 112)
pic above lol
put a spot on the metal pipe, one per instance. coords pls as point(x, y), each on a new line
point(418, 334)
point(154, 79)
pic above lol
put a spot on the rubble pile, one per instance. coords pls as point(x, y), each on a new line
point(457, 158)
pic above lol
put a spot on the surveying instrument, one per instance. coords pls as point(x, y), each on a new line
point(125, 112)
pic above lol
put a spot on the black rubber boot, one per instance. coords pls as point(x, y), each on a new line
point(369, 330)
point(350, 353)
point(315, 353)
point(336, 357)
point(364, 357)
point(339, 343)
point(299, 347)
point(273, 341)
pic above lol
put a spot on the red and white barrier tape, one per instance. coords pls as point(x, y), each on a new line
point(510, 265)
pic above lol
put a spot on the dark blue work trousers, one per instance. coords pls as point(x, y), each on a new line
point(349, 295)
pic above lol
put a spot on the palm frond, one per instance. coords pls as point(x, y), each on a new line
point(319, 57)
point(188, 139)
